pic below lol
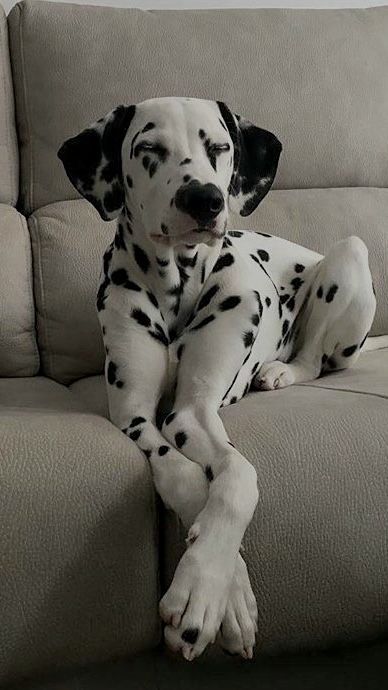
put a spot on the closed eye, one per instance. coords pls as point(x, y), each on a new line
point(152, 147)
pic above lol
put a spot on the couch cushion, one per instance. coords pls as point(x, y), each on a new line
point(18, 349)
point(79, 564)
point(317, 218)
point(316, 549)
point(68, 242)
point(317, 78)
point(9, 155)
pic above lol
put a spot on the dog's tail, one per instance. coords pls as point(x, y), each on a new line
point(376, 343)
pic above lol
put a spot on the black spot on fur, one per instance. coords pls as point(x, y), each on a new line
point(141, 317)
point(159, 335)
point(120, 277)
point(152, 299)
point(180, 439)
point(233, 400)
point(283, 298)
point(190, 635)
point(136, 421)
point(268, 301)
point(162, 262)
point(264, 234)
point(203, 323)
point(152, 169)
point(297, 283)
point(146, 162)
point(203, 272)
point(134, 435)
point(141, 258)
point(291, 304)
point(119, 238)
point(280, 310)
point(349, 351)
point(208, 296)
point(164, 228)
point(285, 327)
point(149, 125)
point(230, 303)
point(186, 178)
point(320, 292)
point(264, 256)
point(299, 268)
point(363, 340)
point(185, 161)
point(331, 292)
point(201, 134)
point(147, 453)
point(255, 319)
point(179, 352)
point(278, 346)
point(255, 368)
point(223, 261)
point(209, 473)
point(111, 373)
point(235, 233)
point(163, 450)
point(248, 338)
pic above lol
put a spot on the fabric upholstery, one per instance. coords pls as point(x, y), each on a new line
point(18, 349)
point(9, 155)
point(68, 242)
point(316, 548)
point(79, 561)
point(299, 73)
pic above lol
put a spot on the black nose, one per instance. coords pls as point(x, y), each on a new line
point(203, 202)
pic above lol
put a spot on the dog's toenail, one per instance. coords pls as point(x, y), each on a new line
point(190, 635)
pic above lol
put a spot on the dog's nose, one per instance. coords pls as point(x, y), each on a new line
point(203, 202)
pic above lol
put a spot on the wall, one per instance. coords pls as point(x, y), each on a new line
point(164, 4)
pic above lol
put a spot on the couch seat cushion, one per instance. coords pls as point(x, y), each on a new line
point(316, 549)
point(79, 562)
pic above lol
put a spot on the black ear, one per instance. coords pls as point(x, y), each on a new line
point(92, 161)
point(256, 158)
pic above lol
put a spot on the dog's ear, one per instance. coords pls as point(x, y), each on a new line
point(256, 157)
point(92, 161)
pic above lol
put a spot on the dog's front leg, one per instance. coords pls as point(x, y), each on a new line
point(212, 351)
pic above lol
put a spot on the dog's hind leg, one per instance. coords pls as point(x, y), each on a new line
point(338, 316)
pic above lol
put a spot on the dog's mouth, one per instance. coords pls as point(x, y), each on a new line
point(204, 233)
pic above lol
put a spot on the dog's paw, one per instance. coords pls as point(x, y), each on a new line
point(239, 626)
point(195, 604)
point(272, 376)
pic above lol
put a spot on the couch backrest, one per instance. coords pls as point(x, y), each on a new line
point(317, 78)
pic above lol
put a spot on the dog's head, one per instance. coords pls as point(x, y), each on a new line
point(178, 164)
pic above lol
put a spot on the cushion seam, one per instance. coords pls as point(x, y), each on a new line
point(42, 321)
point(28, 269)
point(343, 390)
point(26, 113)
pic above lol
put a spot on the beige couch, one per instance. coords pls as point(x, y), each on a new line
point(84, 545)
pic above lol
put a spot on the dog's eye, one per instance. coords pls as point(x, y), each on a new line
point(219, 148)
point(146, 146)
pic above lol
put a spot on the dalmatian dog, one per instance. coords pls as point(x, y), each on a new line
point(194, 315)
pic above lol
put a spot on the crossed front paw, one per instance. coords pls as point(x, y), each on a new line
point(204, 602)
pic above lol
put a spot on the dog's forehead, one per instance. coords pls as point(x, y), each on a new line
point(173, 115)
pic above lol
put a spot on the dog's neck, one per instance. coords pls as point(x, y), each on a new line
point(174, 275)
